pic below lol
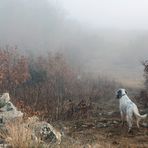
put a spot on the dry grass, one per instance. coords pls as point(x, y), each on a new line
point(19, 136)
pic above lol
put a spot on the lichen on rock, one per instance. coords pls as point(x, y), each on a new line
point(8, 111)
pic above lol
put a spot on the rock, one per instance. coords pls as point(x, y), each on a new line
point(101, 125)
point(144, 125)
point(48, 132)
point(87, 125)
point(39, 130)
point(115, 122)
point(8, 111)
point(11, 115)
point(100, 114)
point(44, 130)
point(113, 113)
point(4, 99)
point(4, 146)
point(8, 107)
point(110, 113)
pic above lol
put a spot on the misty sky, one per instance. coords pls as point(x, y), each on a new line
point(117, 14)
point(106, 37)
point(127, 42)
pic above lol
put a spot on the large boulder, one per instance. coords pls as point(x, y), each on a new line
point(40, 130)
point(43, 130)
point(8, 111)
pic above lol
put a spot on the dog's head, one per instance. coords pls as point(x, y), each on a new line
point(121, 92)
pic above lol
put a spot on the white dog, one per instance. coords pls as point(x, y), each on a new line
point(128, 109)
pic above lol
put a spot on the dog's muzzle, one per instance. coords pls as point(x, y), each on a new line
point(118, 96)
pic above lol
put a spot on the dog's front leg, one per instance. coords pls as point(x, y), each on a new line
point(122, 118)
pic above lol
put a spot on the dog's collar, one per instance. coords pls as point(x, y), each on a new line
point(123, 95)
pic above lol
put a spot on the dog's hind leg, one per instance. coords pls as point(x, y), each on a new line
point(129, 118)
point(138, 120)
point(129, 121)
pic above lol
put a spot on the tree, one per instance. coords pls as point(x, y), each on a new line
point(13, 69)
point(144, 93)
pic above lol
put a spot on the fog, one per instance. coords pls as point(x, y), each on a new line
point(106, 38)
point(127, 14)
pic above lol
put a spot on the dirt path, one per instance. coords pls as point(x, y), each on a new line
point(106, 132)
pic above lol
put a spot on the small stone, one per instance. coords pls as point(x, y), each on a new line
point(109, 135)
point(115, 142)
point(101, 125)
point(115, 122)
point(144, 125)
point(100, 114)
point(110, 113)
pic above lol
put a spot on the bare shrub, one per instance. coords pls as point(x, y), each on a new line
point(44, 84)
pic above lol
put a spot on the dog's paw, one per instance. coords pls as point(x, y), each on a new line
point(130, 131)
point(122, 123)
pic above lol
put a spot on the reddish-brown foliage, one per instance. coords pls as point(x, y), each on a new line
point(13, 69)
point(45, 83)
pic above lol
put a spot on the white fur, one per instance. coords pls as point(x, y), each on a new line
point(128, 109)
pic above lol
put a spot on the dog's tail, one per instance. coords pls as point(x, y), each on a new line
point(136, 113)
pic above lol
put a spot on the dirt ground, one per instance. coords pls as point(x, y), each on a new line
point(104, 131)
